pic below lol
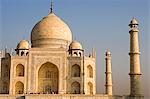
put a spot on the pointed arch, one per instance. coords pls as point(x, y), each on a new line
point(19, 88)
point(19, 70)
point(22, 53)
point(90, 88)
point(75, 88)
point(75, 54)
point(75, 71)
point(90, 71)
point(48, 78)
point(27, 53)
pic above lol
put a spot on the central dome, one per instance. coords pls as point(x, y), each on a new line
point(51, 32)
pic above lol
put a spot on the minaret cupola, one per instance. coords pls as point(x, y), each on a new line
point(133, 23)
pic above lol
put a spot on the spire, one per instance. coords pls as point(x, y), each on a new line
point(12, 51)
point(51, 7)
point(93, 53)
point(5, 49)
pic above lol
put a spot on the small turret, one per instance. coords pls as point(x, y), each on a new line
point(75, 49)
point(22, 48)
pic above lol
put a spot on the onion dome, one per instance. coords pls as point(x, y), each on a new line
point(51, 32)
point(23, 44)
point(75, 45)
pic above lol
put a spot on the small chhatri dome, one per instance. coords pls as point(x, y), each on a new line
point(133, 22)
point(23, 44)
point(75, 45)
point(51, 32)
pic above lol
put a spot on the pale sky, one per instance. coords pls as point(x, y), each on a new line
point(102, 24)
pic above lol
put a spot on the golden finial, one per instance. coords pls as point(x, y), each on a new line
point(52, 6)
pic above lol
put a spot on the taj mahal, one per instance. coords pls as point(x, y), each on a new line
point(54, 66)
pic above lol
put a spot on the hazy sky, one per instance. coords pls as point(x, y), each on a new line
point(102, 24)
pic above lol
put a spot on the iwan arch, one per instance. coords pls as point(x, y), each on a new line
point(48, 78)
point(54, 66)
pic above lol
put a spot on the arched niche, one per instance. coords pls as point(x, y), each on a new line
point(75, 88)
point(48, 78)
point(19, 70)
point(75, 71)
point(19, 88)
point(90, 88)
point(22, 53)
point(90, 71)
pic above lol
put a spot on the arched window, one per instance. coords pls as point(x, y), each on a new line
point(90, 71)
point(19, 88)
point(20, 70)
point(75, 88)
point(22, 53)
point(80, 54)
point(75, 54)
point(75, 71)
point(90, 88)
point(27, 53)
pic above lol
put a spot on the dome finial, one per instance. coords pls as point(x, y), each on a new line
point(51, 7)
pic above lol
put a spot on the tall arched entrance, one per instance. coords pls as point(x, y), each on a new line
point(48, 78)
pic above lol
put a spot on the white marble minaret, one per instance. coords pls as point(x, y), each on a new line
point(135, 73)
point(108, 73)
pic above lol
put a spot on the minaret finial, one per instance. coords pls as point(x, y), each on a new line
point(52, 6)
